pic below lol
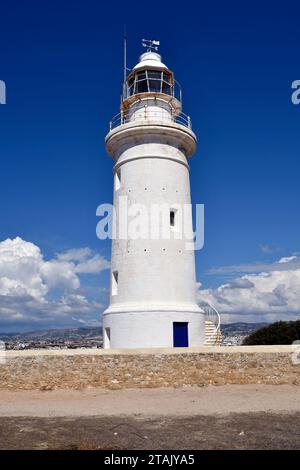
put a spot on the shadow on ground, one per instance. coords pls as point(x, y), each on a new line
point(232, 431)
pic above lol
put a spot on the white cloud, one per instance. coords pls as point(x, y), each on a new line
point(87, 262)
point(269, 295)
point(284, 264)
point(20, 269)
point(75, 254)
point(35, 290)
point(287, 259)
point(94, 265)
point(59, 274)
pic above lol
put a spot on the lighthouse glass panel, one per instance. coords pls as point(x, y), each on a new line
point(150, 81)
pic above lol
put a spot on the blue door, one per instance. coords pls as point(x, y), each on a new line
point(180, 335)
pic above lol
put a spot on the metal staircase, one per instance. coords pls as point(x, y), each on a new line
point(213, 335)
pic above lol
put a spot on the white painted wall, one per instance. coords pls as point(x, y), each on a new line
point(156, 278)
point(147, 329)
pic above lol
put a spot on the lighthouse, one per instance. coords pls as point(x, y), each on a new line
point(153, 284)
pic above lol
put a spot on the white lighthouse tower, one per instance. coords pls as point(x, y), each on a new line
point(153, 285)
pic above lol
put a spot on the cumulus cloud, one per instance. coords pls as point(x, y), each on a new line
point(20, 265)
point(86, 262)
point(59, 274)
point(93, 265)
point(75, 254)
point(269, 295)
point(35, 290)
point(240, 283)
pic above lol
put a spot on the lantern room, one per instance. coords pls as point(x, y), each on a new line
point(150, 75)
point(150, 93)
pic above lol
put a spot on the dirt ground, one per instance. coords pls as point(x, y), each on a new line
point(229, 417)
point(233, 431)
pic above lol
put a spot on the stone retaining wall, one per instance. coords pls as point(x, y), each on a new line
point(115, 369)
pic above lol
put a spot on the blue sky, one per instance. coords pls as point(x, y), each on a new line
point(62, 65)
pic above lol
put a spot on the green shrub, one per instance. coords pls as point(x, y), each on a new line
point(281, 332)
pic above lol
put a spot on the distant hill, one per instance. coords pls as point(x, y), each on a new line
point(241, 327)
point(55, 333)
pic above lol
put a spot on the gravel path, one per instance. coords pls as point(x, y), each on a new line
point(152, 402)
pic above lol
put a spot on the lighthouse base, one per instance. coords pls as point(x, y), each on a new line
point(154, 329)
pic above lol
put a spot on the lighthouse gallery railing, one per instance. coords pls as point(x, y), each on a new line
point(148, 115)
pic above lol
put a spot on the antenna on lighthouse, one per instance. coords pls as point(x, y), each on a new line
point(125, 68)
point(150, 44)
point(125, 53)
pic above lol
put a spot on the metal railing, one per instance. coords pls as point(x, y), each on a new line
point(147, 115)
point(212, 315)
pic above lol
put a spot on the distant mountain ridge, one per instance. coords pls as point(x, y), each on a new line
point(54, 333)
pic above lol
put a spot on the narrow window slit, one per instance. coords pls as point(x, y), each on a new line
point(172, 218)
point(114, 282)
point(117, 180)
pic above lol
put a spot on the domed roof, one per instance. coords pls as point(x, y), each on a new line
point(151, 60)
